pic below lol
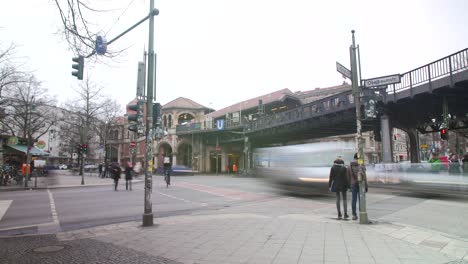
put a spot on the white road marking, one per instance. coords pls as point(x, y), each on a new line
point(52, 208)
point(181, 199)
point(4, 205)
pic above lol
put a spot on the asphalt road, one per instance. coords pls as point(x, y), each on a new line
point(64, 209)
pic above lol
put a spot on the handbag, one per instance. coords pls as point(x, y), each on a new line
point(332, 188)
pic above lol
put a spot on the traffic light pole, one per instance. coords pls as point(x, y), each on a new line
point(357, 102)
point(148, 212)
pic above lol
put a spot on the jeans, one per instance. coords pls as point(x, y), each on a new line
point(116, 183)
point(354, 197)
point(128, 183)
point(345, 203)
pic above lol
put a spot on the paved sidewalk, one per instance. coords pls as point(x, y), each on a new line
point(65, 178)
point(296, 234)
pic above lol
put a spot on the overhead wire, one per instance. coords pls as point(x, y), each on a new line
point(123, 12)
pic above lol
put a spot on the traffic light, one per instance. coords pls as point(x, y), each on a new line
point(156, 115)
point(444, 133)
point(78, 66)
point(84, 148)
point(79, 147)
point(136, 120)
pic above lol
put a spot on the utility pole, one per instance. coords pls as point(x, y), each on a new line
point(148, 212)
point(357, 102)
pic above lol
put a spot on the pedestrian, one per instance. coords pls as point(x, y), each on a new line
point(435, 162)
point(454, 165)
point(352, 175)
point(234, 168)
point(128, 175)
point(100, 170)
point(465, 164)
point(338, 183)
point(115, 171)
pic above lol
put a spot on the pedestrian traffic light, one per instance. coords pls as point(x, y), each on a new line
point(135, 119)
point(156, 115)
point(444, 133)
point(84, 148)
point(78, 66)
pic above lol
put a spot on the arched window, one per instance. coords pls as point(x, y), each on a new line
point(165, 121)
point(170, 121)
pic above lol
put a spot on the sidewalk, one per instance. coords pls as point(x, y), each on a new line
point(253, 235)
point(65, 178)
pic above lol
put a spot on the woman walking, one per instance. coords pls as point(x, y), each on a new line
point(128, 175)
point(338, 183)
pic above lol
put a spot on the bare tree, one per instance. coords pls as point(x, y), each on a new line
point(77, 30)
point(87, 107)
point(29, 112)
point(104, 125)
point(9, 68)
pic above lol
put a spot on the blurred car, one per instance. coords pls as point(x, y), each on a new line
point(90, 167)
point(63, 167)
point(181, 170)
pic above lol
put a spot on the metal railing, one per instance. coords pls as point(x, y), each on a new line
point(438, 69)
point(324, 106)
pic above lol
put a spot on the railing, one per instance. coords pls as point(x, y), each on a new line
point(438, 69)
point(331, 104)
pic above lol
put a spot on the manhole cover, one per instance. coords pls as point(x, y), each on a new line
point(48, 249)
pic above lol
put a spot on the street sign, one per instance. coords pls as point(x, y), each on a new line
point(220, 124)
point(132, 144)
point(343, 70)
point(380, 81)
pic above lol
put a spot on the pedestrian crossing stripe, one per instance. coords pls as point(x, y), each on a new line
point(4, 205)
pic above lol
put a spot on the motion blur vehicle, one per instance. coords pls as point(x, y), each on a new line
point(305, 169)
point(300, 168)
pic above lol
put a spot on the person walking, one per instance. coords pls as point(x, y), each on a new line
point(352, 176)
point(338, 183)
point(465, 164)
point(100, 170)
point(128, 175)
point(435, 162)
point(454, 165)
point(115, 170)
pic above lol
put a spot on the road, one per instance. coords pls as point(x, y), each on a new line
point(65, 209)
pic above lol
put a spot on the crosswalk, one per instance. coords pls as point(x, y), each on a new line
point(4, 205)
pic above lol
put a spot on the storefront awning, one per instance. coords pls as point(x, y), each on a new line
point(34, 151)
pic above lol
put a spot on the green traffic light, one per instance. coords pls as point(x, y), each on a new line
point(78, 66)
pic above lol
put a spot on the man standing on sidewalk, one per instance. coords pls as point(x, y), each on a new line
point(352, 174)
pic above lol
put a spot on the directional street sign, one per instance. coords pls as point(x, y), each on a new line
point(380, 81)
point(343, 70)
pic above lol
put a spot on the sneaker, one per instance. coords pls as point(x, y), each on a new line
point(354, 217)
point(339, 216)
point(346, 216)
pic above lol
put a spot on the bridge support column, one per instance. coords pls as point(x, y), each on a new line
point(386, 139)
point(414, 145)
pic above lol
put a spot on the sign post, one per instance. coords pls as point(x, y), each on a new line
point(343, 70)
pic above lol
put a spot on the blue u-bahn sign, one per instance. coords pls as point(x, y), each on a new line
point(220, 124)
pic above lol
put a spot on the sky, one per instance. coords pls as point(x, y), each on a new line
point(220, 52)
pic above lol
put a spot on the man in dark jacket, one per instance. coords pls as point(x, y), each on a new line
point(116, 171)
point(352, 175)
point(338, 183)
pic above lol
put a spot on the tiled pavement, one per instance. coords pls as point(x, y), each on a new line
point(232, 237)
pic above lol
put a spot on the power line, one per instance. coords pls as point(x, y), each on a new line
point(131, 2)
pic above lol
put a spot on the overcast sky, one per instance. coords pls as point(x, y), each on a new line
point(219, 52)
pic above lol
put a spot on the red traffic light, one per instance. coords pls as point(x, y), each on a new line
point(443, 133)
